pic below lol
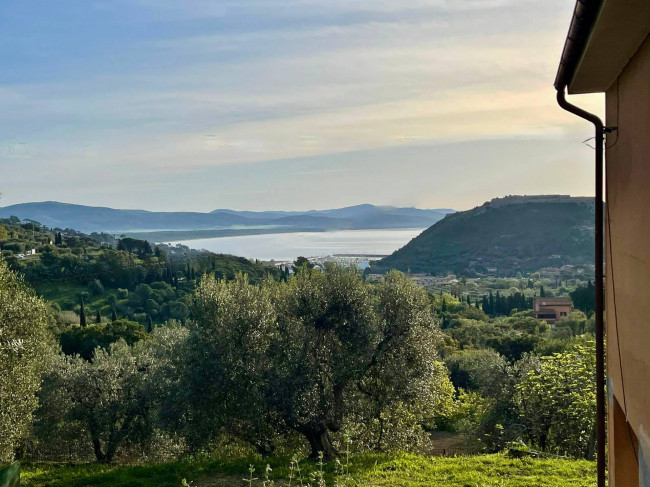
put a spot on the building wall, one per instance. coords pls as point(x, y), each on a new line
point(628, 272)
point(557, 310)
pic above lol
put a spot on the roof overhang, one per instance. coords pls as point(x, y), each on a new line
point(603, 37)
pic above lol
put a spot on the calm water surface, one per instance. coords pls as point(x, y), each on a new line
point(288, 246)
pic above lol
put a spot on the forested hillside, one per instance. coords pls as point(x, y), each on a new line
point(503, 236)
point(124, 278)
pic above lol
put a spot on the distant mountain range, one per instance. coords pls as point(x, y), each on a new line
point(158, 226)
point(503, 236)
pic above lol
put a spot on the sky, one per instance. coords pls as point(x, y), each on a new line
point(286, 104)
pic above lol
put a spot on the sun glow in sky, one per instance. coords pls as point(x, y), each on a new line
point(286, 104)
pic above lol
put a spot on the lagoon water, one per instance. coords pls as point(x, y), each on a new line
point(288, 246)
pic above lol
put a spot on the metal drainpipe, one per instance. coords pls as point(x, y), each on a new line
point(600, 332)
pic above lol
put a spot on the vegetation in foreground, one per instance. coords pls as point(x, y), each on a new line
point(365, 470)
point(278, 364)
point(282, 365)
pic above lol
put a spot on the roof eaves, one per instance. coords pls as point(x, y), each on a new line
point(584, 18)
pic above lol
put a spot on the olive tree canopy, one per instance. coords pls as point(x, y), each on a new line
point(23, 346)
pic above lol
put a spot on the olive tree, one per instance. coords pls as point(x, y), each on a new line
point(234, 327)
point(105, 398)
point(125, 396)
point(328, 332)
point(404, 384)
point(23, 346)
point(310, 354)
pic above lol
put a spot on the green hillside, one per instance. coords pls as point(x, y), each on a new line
point(515, 233)
point(124, 278)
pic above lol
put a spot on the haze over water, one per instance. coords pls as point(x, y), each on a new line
point(288, 246)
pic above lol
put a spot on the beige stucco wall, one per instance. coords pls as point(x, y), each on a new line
point(628, 268)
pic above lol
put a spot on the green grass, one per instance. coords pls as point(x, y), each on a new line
point(374, 470)
point(475, 471)
point(64, 293)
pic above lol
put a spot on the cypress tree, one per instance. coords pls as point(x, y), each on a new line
point(542, 293)
point(444, 305)
point(98, 317)
point(469, 301)
point(485, 305)
point(149, 324)
point(82, 313)
point(491, 303)
point(113, 315)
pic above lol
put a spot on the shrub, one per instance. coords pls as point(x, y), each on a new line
point(96, 287)
point(557, 402)
point(84, 340)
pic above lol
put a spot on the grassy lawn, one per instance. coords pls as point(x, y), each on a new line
point(65, 293)
point(367, 470)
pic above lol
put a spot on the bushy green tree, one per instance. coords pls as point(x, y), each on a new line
point(328, 334)
point(404, 385)
point(103, 398)
point(23, 347)
point(557, 402)
point(572, 325)
point(227, 380)
point(83, 341)
point(308, 354)
point(477, 370)
point(96, 287)
point(301, 262)
point(584, 297)
point(125, 398)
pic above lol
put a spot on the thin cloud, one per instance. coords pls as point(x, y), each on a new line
point(222, 86)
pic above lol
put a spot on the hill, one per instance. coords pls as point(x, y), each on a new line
point(502, 236)
point(229, 222)
point(127, 278)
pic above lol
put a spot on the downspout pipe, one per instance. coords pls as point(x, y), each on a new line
point(599, 278)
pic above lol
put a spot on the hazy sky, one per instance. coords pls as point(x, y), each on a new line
point(285, 104)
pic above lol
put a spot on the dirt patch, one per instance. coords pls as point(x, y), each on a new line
point(448, 444)
point(228, 481)
point(219, 481)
